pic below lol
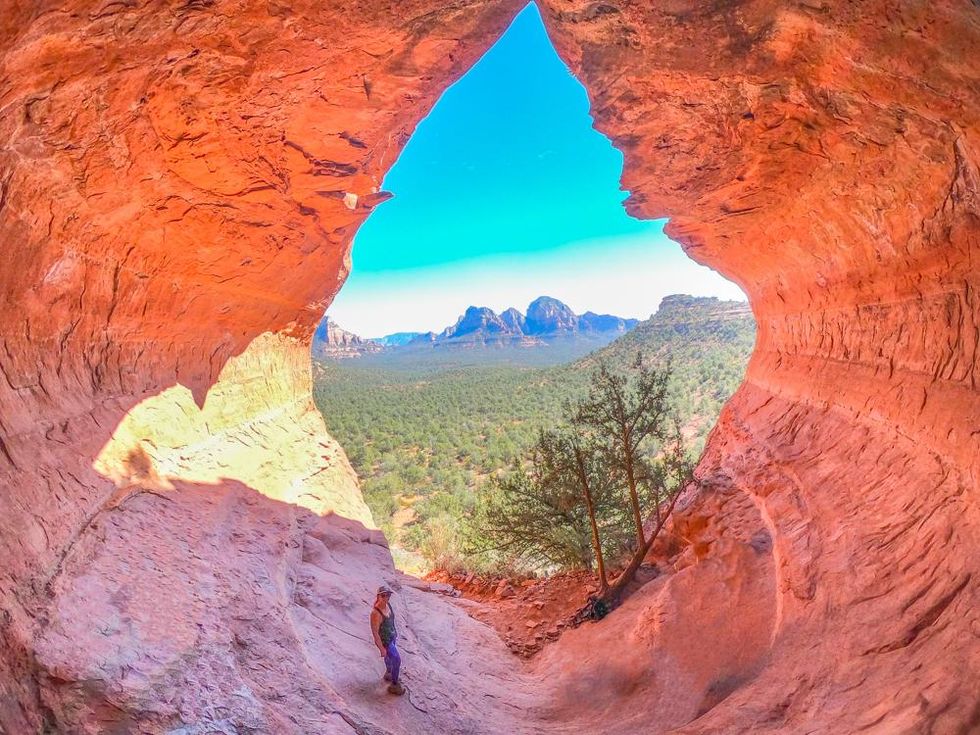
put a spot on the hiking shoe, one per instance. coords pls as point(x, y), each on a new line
point(396, 689)
point(387, 676)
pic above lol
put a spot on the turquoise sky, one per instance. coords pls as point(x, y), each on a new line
point(505, 193)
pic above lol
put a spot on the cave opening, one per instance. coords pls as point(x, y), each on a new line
point(185, 546)
point(499, 271)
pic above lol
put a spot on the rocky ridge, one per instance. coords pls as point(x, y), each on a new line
point(547, 319)
point(179, 181)
point(479, 326)
point(398, 339)
point(329, 340)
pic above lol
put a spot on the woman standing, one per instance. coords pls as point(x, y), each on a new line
point(383, 628)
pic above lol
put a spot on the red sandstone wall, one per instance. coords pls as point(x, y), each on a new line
point(178, 179)
point(179, 185)
point(825, 157)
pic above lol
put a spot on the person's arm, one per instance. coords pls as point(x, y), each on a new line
point(376, 630)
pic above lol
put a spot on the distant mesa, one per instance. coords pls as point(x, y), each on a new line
point(685, 323)
point(330, 340)
point(592, 322)
point(690, 309)
point(547, 321)
point(398, 339)
point(422, 339)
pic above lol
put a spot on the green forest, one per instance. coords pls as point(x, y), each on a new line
point(425, 429)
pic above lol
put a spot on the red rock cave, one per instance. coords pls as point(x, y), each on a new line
point(184, 547)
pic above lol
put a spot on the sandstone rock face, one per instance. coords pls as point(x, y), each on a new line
point(825, 157)
point(179, 185)
point(479, 322)
point(330, 340)
point(546, 315)
point(257, 427)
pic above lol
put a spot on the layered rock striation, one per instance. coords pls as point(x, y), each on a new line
point(825, 157)
point(179, 186)
point(330, 340)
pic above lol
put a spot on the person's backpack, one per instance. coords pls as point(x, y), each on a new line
point(595, 609)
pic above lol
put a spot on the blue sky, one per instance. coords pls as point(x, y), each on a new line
point(505, 193)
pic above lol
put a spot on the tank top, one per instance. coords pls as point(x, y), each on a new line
point(386, 631)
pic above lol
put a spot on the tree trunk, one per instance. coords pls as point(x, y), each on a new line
point(611, 597)
point(626, 576)
point(634, 497)
point(590, 506)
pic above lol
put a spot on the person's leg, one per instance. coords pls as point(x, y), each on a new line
point(393, 661)
point(387, 660)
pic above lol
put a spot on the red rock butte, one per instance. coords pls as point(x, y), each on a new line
point(185, 549)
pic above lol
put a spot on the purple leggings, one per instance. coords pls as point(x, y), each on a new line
point(393, 662)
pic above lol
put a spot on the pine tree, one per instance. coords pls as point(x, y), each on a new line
point(629, 417)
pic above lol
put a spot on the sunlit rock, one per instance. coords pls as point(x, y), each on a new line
point(179, 186)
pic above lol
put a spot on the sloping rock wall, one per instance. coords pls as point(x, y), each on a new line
point(179, 185)
point(825, 157)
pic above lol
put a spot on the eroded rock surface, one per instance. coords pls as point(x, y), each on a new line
point(825, 157)
point(179, 185)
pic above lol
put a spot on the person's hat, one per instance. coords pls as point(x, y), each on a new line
point(385, 590)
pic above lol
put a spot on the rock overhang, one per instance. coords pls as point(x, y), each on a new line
point(176, 189)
